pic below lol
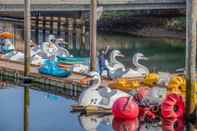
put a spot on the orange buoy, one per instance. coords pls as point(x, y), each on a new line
point(125, 108)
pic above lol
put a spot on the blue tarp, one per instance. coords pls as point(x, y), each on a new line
point(51, 68)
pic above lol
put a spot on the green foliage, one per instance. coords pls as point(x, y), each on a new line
point(178, 24)
point(111, 14)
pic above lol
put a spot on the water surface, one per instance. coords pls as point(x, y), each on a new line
point(48, 112)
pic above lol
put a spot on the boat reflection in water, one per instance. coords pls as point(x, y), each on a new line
point(93, 122)
point(125, 125)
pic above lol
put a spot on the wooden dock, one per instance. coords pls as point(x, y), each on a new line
point(11, 70)
point(14, 72)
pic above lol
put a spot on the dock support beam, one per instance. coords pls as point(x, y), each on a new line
point(37, 29)
point(78, 33)
point(83, 31)
point(70, 32)
point(44, 29)
point(93, 30)
point(190, 56)
point(59, 27)
point(27, 34)
point(51, 25)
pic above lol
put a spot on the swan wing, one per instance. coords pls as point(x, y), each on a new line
point(132, 73)
point(108, 66)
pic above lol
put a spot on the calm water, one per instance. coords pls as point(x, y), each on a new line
point(48, 112)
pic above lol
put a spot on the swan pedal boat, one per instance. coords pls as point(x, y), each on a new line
point(99, 96)
point(117, 69)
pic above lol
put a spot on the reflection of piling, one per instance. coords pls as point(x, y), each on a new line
point(190, 55)
point(93, 25)
point(27, 34)
point(26, 108)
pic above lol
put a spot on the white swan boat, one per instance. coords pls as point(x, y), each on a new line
point(140, 70)
point(96, 95)
point(118, 70)
point(41, 53)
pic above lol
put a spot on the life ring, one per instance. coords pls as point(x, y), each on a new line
point(125, 108)
point(177, 85)
point(173, 106)
point(151, 79)
point(173, 124)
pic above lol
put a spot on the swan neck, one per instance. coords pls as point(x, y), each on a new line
point(114, 59)
point(96, 84)
point(140, 66)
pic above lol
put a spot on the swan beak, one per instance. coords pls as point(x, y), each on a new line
point(121, 55)
point(145, 58)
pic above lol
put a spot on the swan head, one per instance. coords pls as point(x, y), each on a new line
point(139, 56)
point(96, 79)
point(60, 42)
point(51, 38)
point(95, 75)
point(117, 53)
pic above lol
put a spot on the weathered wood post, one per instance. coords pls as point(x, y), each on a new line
point(44, 28)
point(78, 33)
point(37, 29)
point(93, 30)
point(15, 35)
point(51, 25)
point(27, 34)
point(59, 26)
point(70, 32)
point(83, 31)
point(190, 55)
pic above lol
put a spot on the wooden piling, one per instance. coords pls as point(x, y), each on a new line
point(59, 26)
point(70, 32)
point(37, 29)
point(44, 28)
point(15, 34)
point(51, 25)
point(27, 34)
point(78, 33)
point(93, 30)
point(83, 30)
point(190, 56)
